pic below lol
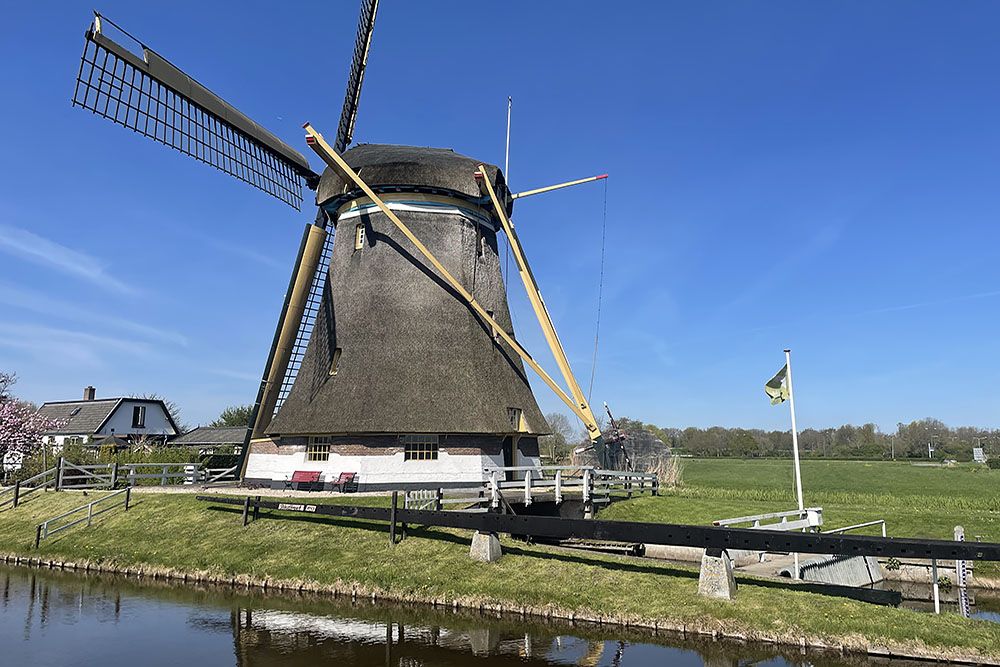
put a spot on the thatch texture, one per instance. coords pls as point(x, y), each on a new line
point(414, 358)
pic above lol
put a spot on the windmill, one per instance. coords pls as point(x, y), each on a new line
point(394, 354)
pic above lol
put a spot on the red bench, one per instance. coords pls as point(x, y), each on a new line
point(347, 482)
point(306, 480)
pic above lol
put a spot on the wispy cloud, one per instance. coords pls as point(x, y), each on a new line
point(66, 346)
point(236, 375)
point(36, 302)
point(937, 302)
point(34, 248)
point(779, 270)
point(231, 248)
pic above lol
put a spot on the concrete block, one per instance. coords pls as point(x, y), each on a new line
point(485, 547)
point(716, 579)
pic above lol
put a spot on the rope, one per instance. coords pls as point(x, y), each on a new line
point(600, 294)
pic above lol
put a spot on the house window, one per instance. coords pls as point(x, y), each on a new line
point(359, 236)
point(74, 440)
point(335, 361)
point(420, 447)
point(139, 416)
point(318, 448)
point(516, 419)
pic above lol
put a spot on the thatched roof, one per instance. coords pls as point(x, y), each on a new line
point(384, 165)
point(415, 359)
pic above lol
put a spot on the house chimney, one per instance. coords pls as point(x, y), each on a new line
point(88, 393)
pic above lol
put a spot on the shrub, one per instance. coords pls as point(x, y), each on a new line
point(993, 464)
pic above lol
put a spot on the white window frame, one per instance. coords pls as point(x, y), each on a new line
point(140, 412)
point(359, 236)
point(421, 447)
point(318, 449)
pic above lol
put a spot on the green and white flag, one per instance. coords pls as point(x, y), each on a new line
point(777, 387)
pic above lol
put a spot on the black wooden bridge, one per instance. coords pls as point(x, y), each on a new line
point(712, 538)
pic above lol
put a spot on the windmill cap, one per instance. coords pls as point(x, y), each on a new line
point(409, 167)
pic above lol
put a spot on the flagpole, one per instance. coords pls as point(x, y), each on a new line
point(795, 432)
point(795, 445)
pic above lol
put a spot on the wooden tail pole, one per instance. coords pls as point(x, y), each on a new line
point(541, 311)
point(558, 186)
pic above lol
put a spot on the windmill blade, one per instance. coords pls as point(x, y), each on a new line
point(151, 96)
point(362, 44)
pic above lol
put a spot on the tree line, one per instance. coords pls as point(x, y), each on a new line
point(921, 439)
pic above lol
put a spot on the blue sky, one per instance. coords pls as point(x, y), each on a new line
point(821, 176)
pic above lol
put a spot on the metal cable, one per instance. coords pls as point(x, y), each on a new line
point(600, 294)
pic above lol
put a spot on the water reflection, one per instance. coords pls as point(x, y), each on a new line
point(55, 618)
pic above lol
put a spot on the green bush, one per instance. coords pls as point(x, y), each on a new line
point(993, 464)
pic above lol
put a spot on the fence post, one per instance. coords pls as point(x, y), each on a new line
point(59, 473)
point(128, 496)
point(90, 514)
point(256, 508)
point(38, 535)
point(527, 488)
point(246, 510)
point(494, 490)
point(17, 492)
point(392, 518)
point(439, 499)
point(558, 486)
point(587, 482)
point(163, 479)
point(114, 474)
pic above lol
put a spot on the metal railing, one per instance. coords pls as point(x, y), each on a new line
point(26, 487)
point(46, 530)
point(858, 526)
point(592, 484)
point(805, 519)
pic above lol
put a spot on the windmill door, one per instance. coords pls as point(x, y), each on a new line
point(508, 456)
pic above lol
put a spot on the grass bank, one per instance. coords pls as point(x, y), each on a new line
point(915, 501)
point(175, 533)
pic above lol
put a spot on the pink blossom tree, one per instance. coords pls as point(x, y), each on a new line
point(21, 425)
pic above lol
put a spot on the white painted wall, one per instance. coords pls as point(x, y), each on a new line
point(389, 469)
point(120, 422)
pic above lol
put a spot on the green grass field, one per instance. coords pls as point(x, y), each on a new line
point(177, 532)
point(915, 501)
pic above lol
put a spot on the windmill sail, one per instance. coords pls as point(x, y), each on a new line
point(154, 98)
point(345, 134)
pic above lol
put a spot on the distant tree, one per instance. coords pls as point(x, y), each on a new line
point(21, 425)
point(234, 415)
point(7, 380)
point(172, 409)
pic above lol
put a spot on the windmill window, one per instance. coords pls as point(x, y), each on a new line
point(139, 416)
point(514, 415)
point(420, 447)
point(318, 448)
point(335, 362)
point(359, 236)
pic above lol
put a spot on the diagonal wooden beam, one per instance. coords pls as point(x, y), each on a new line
point(538, 305)
point(315, 141)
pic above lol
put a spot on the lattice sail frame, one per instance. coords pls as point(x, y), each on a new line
point(151, 96)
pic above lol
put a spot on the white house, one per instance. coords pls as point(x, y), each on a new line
point(91, 420)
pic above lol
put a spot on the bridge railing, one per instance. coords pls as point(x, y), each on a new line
point(592, 484)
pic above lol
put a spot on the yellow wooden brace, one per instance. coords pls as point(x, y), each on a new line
point(315, 141)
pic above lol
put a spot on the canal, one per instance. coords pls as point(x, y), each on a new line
point(52, 618)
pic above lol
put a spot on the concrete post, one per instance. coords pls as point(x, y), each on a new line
point(716, 579)
point(485, 547)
